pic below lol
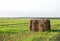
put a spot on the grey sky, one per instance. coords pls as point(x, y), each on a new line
point(30, 8)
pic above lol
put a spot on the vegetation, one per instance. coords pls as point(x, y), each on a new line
point(16, 29)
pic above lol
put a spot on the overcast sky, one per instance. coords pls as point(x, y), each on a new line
point(29, 8)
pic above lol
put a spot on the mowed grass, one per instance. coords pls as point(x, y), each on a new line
point(16, 29)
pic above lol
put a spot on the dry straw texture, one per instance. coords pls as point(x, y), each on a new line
point(39, 25)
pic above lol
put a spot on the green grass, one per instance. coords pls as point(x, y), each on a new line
point(17, 30)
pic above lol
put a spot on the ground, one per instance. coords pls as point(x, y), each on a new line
point(16, 29)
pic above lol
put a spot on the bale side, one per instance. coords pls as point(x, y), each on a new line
point(39, 25)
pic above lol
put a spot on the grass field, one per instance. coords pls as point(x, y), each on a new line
point(15, 29)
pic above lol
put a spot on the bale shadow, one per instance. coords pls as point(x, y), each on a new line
point(55, 30)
